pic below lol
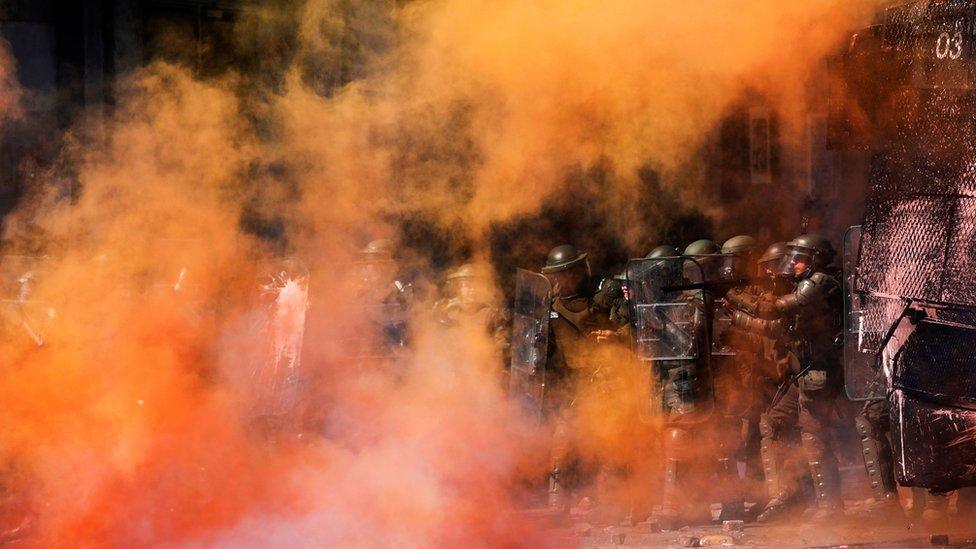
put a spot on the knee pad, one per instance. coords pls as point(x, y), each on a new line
point(675, 440)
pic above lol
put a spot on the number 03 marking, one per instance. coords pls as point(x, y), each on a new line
point(949, 45)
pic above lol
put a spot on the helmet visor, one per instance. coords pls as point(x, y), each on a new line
point(468, 289)
point(710, 267)
point(377, 273)
point(733, 267)
point(570, 282)
point(796, 262)
point(769, 268)
point(692, 272)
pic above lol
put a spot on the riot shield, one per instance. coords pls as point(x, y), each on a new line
point(276, 373)
point(22, 316)
point(384, 340)
point(376, 336)
point(665, 330)
point(530, 341)
point(867, 320)
point(721, 324)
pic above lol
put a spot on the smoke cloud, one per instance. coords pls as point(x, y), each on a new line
point(9, 90)
point(432, 123)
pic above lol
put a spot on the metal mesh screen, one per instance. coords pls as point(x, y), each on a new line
point(961, 258)
point(903, 255)
point(921, 220)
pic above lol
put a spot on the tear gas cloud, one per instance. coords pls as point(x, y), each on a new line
point(134, 422)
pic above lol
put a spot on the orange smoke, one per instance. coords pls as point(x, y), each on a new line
point(129, 425)
point(487, 106)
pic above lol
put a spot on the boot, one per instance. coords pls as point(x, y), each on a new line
point(880, 469)
point(733, 506)
point(826, 479)
point(777, 507)
point(781, 492)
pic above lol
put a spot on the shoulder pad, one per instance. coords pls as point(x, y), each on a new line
point(824, 278)
point(819, 285)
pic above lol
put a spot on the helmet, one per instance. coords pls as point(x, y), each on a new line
point(815, 243)
point(469, 284)
point(377, 250)
point(702, 247)
point(562, 258)
point(706, 256)
point(806, 254)
point(774, 252)
point(768, 264)
point(739, 244)
point(738, 252)
point(377, 267)
point(664, 250)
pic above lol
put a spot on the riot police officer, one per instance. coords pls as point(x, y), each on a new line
point(572, 319)
point(743, 391)
point(733, 353)
point(385, 296)
point(811, 318)
point(777, 423)
point(468, 298)
point(687, 389)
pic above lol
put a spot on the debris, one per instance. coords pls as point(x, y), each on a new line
point(618, 539)
point(689, 541)
point(939, 540)
point(716, 540)
point(730, 526)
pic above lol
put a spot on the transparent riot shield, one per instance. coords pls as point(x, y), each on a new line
point(721, 324)
point(23, 317)
point(530, 341)
point(667, 324)
point(376, 335)
point(277, 377)
point(867, 320)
